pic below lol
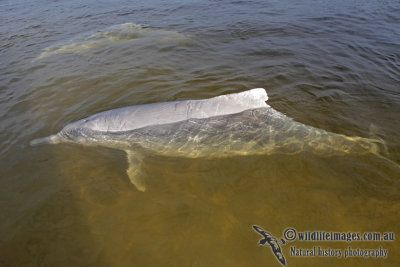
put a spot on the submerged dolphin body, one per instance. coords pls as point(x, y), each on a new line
point(126, 32)
point(227, 125)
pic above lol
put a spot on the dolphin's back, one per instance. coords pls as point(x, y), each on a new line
point(134, 117)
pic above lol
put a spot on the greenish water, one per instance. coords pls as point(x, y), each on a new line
point(334, 66)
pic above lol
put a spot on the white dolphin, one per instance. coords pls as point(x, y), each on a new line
point(226, 125)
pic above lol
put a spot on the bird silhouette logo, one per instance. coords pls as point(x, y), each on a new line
point(273, 242)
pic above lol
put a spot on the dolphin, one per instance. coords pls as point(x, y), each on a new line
point(227, 125)
point(126, 32)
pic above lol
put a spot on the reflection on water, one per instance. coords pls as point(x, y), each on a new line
point(334, 66)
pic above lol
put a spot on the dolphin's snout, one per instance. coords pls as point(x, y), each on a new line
point(52, 139)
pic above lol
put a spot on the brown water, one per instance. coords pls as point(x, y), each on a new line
point(334, 66)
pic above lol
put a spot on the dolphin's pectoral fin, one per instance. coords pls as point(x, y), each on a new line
point(134, 170)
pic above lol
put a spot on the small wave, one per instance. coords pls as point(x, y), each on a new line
point(117, 33)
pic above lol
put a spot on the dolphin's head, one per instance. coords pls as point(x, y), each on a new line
point(79, 132)
point(75, 132)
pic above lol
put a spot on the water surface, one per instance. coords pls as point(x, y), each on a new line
point(334, 65)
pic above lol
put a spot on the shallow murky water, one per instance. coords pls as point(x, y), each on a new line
point(331, 65)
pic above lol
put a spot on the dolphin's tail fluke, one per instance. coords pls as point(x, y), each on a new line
point(52, 139)
point(380, 144)
point(380, 147)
